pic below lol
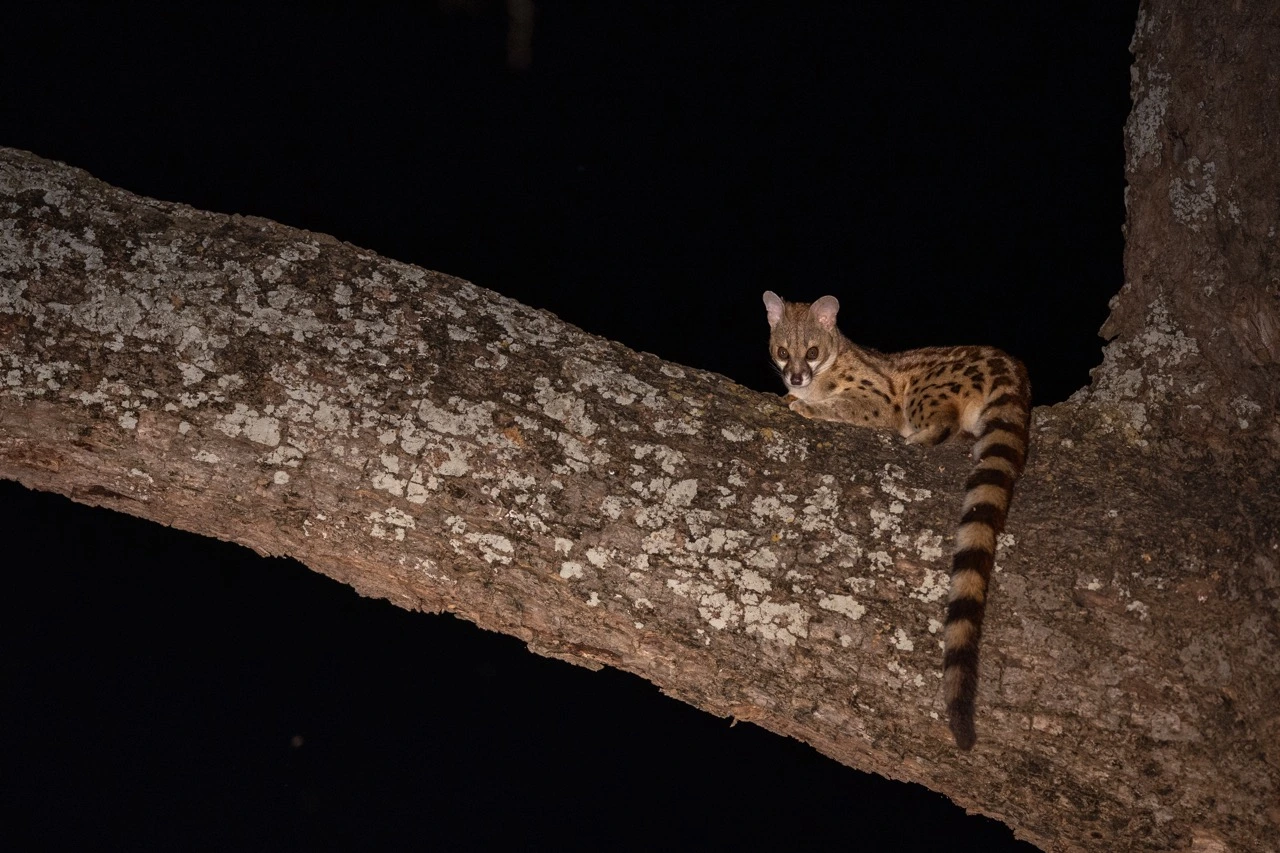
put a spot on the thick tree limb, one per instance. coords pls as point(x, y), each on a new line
point(430, 442)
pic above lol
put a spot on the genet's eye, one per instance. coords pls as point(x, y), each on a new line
point(812, 354)
point(783, 355)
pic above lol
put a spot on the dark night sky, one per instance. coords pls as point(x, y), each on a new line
point(952, 174)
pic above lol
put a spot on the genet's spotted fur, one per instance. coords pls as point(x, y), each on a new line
point(926, 396)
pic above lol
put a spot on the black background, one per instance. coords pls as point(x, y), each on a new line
point(953, 173)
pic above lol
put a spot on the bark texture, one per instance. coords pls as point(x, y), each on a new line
point(433, 443)
point(1196, 326)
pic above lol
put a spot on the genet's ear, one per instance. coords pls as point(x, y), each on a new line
point(773, 306)
point(824, 311)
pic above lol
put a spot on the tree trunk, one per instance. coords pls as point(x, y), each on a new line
point(430, 442)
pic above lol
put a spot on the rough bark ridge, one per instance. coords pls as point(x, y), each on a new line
point(433, 443)
point(1196, 354)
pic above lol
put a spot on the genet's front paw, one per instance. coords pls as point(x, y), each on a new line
point(800, 407)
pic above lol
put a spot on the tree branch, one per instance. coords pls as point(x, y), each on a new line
point(435, 444)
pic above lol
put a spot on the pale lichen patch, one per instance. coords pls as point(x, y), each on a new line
point(1145, 127)
point(766, 508)
point(390, 524)
point(450, 459)
point(388, 482)
point(462, 418)
point(613, 384)
point(676, 426)
point(493, 547)
point(681, 494)
point(928, 545)
point(416, 491)
point(880, 560)
point(753, 581)
point(933, 587)
point(565, 408)
point(719, 540)
point(845, 605)
point(780, 449)
point(886, 524)
point(718, 611)
point(905, 678)
point(247, 422)
point(1192, 199)
point(892, 483)
point(1127, 391)
point(821, 507)
point(668, 459)
point(410, 442)
point(284, 455)
point(1244, 409)
point(784, 623)
point(191, 375)
point(663, 541)
point(612, 507)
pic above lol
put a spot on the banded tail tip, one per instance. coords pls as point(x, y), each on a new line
point(962, 730)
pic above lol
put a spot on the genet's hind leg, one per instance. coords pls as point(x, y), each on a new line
point(930, 420)
point(931, 435)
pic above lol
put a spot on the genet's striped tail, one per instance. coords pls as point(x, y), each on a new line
point(1000, 453)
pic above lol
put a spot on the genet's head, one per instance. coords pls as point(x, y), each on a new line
point(803, 340)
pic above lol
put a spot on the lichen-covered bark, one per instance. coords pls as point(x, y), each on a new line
point(433, 443)
point(1197, 324)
